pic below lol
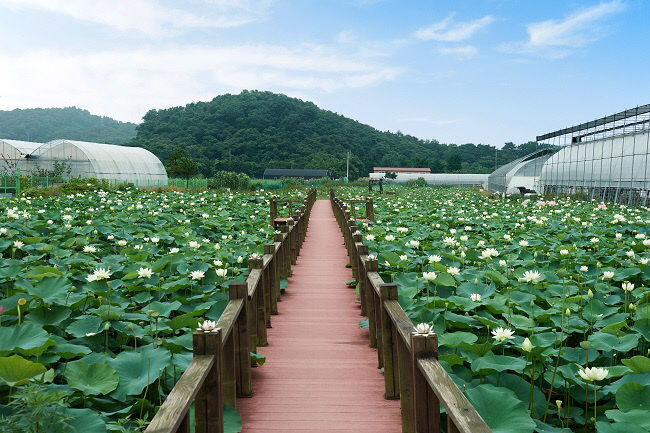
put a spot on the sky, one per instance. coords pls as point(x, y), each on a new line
point(489, 71)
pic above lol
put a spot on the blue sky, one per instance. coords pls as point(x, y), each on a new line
point(458, 71)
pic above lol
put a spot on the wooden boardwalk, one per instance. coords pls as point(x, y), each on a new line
point(320, 375)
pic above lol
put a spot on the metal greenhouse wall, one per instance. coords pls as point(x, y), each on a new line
point(606, 159)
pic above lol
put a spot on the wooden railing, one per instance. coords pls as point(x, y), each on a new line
point(221, 368)
point(412, 372)
point(370, 208)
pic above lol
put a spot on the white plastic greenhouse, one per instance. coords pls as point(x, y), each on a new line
point(521, 175)
point(450, 179)
point(86, 160)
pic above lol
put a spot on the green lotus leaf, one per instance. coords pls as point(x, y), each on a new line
point(638, 364)
point(501, 409)
point(619, 427)
point(85, 421)
point(52, 290)
point(84, 325)
point(27, 339)
point(639, 417)
point(232, 422)
point(498, 363)
point(91, 379)
point(138, 369)
point(16, 370)
point(455, 339)
point(633, 396)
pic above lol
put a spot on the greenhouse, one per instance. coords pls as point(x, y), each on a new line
point(450, 179)
point(14, 154)
point(605, 159)
point(100, 161)
point(521, 175)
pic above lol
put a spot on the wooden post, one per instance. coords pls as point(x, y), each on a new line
point(362, 281)
point(273, 204)
point(228, 371)
point(274, 282)
point(405, 364)
point(260, 308)
point(391, 377)
point(426, 404)
point(370, 209)
point(286, 261)
point(208, 404)
point(239, 290)
point(292, 242)
point(371, 266)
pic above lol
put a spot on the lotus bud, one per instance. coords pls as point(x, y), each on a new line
point(590, 294)
point(22, 301)
point(107, 326)
point(585, 344)
point(527, 346)
point(567, 312)
point(558, 403)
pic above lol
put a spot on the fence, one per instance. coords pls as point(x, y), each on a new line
point(220, 370)
point(191, 183)
point(412, 372)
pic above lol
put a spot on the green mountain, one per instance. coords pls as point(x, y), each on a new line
point(45, 124)
point(255, 130)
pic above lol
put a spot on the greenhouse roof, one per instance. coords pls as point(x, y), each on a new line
point(25, 147)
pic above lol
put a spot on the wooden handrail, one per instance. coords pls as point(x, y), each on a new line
point(220, 369)
point(412, 372)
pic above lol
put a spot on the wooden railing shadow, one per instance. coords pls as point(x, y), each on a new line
point(220, 370)
point(412, 372)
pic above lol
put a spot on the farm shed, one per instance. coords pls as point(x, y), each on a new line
point(101, 161)
point(404, 170)
point(521, 175)
point(605, 159)
point(277, 173)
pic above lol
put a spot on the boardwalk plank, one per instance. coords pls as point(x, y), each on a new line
point(320, 375)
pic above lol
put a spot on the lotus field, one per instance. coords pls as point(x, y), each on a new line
point(541, 307)
point(100, 292)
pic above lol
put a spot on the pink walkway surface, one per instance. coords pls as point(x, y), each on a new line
point(320, 375)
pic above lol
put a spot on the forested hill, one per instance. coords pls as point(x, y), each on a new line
point(256, 130)
point(45, 124)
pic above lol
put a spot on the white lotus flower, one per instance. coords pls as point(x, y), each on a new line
point(627, 286)
point(594, 240)
point(584, 268)
point(523, 243)
point(403, 257)
point(532, 276)
point(402, 229)
point(155, 240)
point(221, 272)
point(207, 326)
point(89, 249)
point(18, 244)
point(424, 328)
point(194, 244)
point(429, 276)
point(503, 263)
point(608, 275)
point(121, 242)
point(564, 252)
point(619, 236)
point(197, 275)
point(527, 346)
point(434, 258)
point(218, 263)
point(370, 237)
point(501, 334)
point(145, 273)
point(390, 238)
point(476, 297)
point(414, 243)
point(451, 270)
point(102, 274)
point(173, 250)
point(240, 259)
point(593, 374)
point(91, 277)
point(630, 254)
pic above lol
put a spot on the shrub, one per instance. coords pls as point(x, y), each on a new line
point(229, 179)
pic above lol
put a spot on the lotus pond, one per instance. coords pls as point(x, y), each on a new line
point(541, 307)
point(100, 292)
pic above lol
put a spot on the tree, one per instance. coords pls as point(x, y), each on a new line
point(183, 166)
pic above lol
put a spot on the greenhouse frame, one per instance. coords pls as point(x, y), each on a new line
point(606, 159)
point(521, 175)
point(86, 160)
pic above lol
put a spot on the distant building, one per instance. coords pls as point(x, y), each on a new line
point(277, 173)
point(449, 179)
point(404, 170)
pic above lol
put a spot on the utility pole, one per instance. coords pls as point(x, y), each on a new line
point(347, 168)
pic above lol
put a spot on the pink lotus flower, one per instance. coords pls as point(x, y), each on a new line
point(602, 206)
point(551, 203)
point(541, 203)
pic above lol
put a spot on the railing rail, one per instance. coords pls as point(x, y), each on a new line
point(220, 370)
point(412, 372)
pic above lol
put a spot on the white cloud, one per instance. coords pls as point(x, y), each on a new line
point(449, 31)
point(151, 17)
point(127, 83)
point(466, 51)
point(558, 38)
